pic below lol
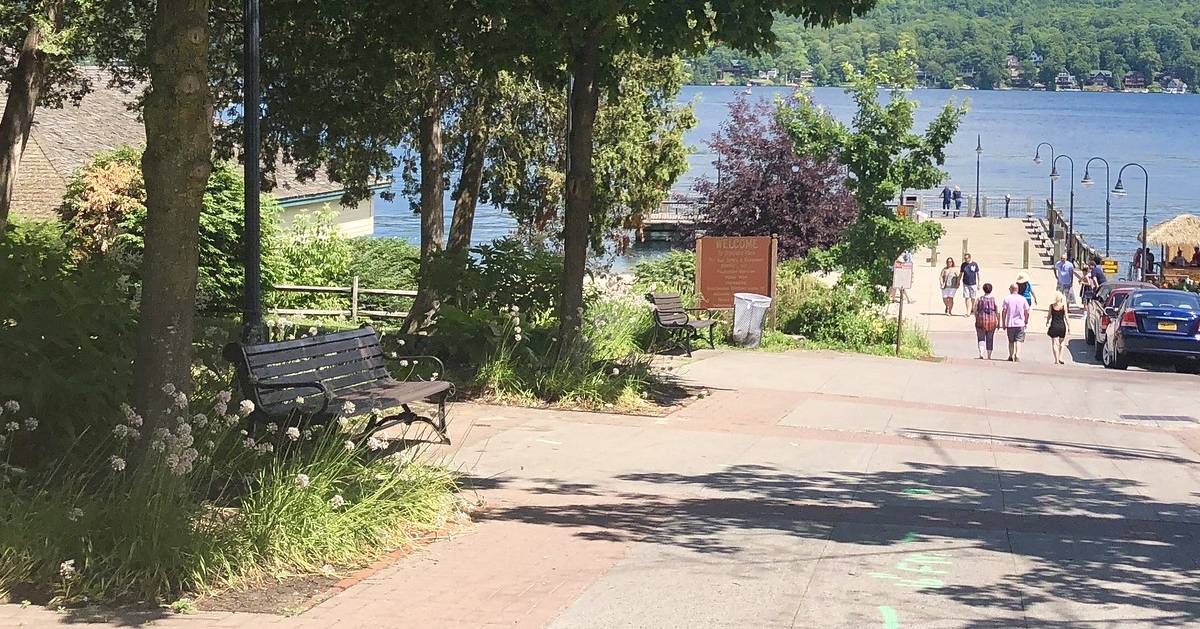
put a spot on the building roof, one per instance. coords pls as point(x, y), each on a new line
point(64, 139)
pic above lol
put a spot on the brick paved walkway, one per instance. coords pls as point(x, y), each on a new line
point(810, 490)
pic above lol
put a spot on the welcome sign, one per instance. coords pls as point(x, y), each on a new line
point(734, 264)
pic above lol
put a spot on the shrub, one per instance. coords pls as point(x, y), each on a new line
point(104, 209)
point(383, 263)
point(66, 335)
point(674, 272)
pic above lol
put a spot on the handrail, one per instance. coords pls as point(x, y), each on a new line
point(354, 291)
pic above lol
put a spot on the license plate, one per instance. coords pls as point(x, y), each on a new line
point(1167, 326)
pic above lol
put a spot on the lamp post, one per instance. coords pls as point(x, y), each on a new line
point(1071, 213)
point(1119, 191)
point(252, 312)
point(1037, 159)
point(1087, 182)
point(978, 154)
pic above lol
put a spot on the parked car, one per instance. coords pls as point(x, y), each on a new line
point(1154, 326)
point(1095, 322)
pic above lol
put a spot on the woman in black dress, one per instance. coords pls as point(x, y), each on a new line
point(1058, 326)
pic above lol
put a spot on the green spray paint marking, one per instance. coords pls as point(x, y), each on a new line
point(917, 491)
point(909, 537)
point(890, 619)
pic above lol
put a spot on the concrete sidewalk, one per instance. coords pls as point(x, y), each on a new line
point(813, 489)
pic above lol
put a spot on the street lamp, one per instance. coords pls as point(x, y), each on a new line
point(252, 312)
point(1071, 214)
point(1119, 191)
point(978, 154)
point(1037, 159)
point(1087, 182)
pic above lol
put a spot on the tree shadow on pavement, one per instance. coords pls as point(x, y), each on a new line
point(1089, 541)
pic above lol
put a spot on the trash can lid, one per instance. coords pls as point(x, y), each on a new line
point(752, 297)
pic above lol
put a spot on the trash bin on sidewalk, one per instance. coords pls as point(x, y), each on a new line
point(749, 316)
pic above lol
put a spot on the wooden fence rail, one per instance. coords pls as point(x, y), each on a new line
point(354, 291)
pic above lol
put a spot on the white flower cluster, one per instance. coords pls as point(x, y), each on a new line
point(245, 408)
point(302, 480)
point(117, 463)
point(348, 408)
point(293, 433)
point(75, 514)
point(12, 406)
point(221, 406)
point(337, 502)
point(66, 569)
point(175, 445)
point(375, 443)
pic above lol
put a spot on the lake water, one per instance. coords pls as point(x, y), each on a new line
point(1160, 131)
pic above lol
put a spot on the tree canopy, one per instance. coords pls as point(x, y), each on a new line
point(1076, 36)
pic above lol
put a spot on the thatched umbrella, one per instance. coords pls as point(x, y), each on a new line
point(1181, 230)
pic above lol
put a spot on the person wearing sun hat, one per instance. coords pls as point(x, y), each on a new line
point(1025, 288)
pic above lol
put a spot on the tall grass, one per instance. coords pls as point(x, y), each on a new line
point(203, 507)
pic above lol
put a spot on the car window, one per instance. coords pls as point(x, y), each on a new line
point(1166, 299)
point(1116, 299)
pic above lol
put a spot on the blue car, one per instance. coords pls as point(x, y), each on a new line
point(1155, 327)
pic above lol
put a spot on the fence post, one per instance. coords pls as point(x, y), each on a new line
point(354, 299)
point(1029, 206)
point(1025, 263)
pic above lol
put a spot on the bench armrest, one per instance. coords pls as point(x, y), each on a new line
point(326, 394)
point(441, 368)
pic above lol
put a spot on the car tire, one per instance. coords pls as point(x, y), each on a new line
point(1089, 337)
point(1191, 366)
point(1112, 360)
point(1099, 351)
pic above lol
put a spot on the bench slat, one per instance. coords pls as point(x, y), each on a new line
point(332, 337)
point(333, 372)
point(349, 345)
point(346, 381)
point(318, 363)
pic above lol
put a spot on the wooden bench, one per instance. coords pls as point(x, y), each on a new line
point(309, 380)
point(672, 317)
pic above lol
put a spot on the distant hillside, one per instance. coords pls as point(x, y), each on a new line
point(969, 41)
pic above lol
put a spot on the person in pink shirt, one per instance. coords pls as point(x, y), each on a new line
point(1015, 317)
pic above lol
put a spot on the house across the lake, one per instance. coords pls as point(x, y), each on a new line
point(1064, 82)
point(64, 140)
point(1134, 80)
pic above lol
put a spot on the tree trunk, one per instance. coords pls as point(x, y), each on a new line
point(176, 165)
point(584, 102)
point(433, 220)
point(472, 173)
point(29, 77)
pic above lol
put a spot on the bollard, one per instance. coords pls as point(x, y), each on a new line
point(933, 255)
point(1025, 264)
point(983, 212)
point(964, 251)
point(1058, 247)
point(1007, 201)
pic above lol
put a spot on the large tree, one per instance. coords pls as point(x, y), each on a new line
point(176, 165)
point(883, 157)
point(36, 66)
point(580, 42)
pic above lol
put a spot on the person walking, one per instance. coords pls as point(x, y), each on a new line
point(946, 195)
point(949, 284)
point(1097, 273)
point(957, 194)
point(1064, 271)
point(987, 319)
point(1026, 288)
point(1058, 326)
point(969, 278)
point(1015, 315)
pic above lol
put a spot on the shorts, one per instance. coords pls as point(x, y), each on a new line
point(970, 291)
point(949, 292)
point(1016, 335)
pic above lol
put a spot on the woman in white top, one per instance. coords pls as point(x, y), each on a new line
point(949, 283)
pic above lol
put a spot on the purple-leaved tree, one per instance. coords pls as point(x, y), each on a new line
point(765, 188)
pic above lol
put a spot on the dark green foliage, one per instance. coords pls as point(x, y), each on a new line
point(383, 263)
point(674, 272)
point(1077, 36)
point(104, 210)
point(66, 334)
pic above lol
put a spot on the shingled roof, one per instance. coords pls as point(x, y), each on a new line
point(65, 139)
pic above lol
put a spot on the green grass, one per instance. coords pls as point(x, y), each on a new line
point(147, 534)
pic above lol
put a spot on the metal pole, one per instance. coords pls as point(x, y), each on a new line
point(252, 320)
point(1107, 210)
point(900, 320)
point(978, 155)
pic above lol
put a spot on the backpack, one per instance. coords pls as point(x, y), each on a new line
point(986, 318)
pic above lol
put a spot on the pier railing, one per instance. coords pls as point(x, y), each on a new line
point(1006, 205)
point(1065, 240)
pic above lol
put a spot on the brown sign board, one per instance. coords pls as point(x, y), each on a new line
point(734, 264)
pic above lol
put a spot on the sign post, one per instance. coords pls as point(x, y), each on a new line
point(902, 280)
